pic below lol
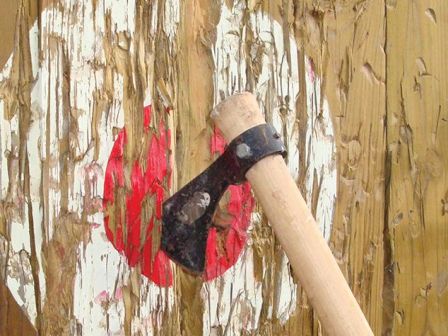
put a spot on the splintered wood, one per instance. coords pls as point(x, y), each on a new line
point(104, 112)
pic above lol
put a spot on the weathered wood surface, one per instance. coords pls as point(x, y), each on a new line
point(347, 42)
point(13, 322)
point(358, 89)
point(417, 138)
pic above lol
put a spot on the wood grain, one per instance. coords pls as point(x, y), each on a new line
point(346, 42)
point(13, 321)
point(417, 138)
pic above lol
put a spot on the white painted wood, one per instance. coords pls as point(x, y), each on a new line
point(77, 29)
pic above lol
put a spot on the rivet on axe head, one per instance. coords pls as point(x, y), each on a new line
point(188, 214)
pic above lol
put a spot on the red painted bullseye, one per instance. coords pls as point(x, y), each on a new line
point(123, 222)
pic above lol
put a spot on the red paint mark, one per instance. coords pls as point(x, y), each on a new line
point(143, 184)
point(223, 246)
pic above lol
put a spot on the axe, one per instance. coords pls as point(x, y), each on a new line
point(255, 153)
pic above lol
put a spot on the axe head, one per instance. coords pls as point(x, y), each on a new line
point(187, 215)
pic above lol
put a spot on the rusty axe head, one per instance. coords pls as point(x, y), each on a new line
point(188, 214)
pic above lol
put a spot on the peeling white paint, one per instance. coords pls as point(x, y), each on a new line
point(100, 264)
point(4, 135)
point(277, 89)
point(18, 272)
point(172, 18)
point(101, 268)
point(20, 280)
point(233, 294)
point(322, 151)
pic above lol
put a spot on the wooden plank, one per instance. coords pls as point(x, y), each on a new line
point(194, 92)
point(346, 42)
point(13, 321)
point(7, 27)
point(417, 136)
point(8, 13)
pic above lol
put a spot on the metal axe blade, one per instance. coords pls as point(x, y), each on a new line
point(188, 214)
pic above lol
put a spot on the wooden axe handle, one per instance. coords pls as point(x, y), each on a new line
point(294, 226)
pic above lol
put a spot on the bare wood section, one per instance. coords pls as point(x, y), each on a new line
point(417, 138)
point(16, 95)
point(193, 105)
point(346, 41)
point(8, 10)
point(7, 25)
point(13, 321)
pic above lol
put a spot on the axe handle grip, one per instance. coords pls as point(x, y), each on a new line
point(295, 227)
